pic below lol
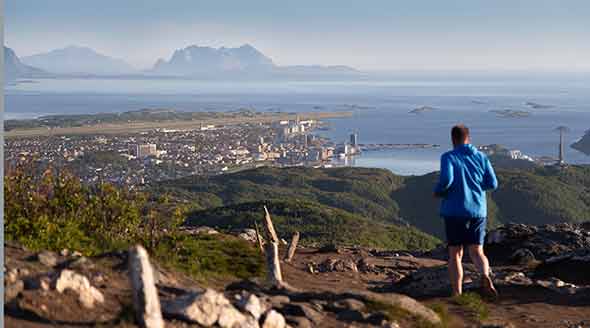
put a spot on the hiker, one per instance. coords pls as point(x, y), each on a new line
point(465, 175)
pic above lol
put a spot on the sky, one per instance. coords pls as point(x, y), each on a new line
point(482, 35)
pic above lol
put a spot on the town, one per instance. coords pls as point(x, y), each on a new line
point(146, 157)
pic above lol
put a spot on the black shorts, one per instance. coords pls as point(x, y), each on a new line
point(465, 231)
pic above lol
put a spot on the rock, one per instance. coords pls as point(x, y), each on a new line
point(523, 256)
point(202, 308)
point(273, 319)
point(47, 258)
point(542, 241)
point(348, 304)
point(278, 300)
point(515, 278)
point(377, 319)
point(64, 252)
point(433, 281)
point(12, 275)
point(249, 235)
point(330, 248)
point(350, 316)
point(88, 295)
point(12, 289)
point(145, 295)
point(77, 254)
point(364, 266)
point(303, 310)
point(337, 265)
point(403, 302)
point(252, 305)
point(573, 267)
point(229, 317)
point(300, 322)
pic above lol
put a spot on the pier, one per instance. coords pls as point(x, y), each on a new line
point(384, 146)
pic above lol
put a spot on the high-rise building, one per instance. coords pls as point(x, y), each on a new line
point(354, 138)
point(146, 150)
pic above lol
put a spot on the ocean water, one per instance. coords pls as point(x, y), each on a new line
point(380, 109)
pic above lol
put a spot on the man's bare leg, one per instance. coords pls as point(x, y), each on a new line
point(482, 264)
point(456, 269)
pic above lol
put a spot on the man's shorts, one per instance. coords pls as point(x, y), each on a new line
point(465, 231)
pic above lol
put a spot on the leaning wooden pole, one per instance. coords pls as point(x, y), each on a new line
point(292, 247)
point(275, 277)
point(258, 237)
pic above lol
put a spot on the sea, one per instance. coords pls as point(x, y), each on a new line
point(381, 109)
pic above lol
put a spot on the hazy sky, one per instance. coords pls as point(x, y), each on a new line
point(550, 35)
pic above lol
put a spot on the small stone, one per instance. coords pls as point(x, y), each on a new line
point(350, 315)
point(12, 289)
point(76, 254)
point(251, 304)
point(349, 304)
point(522, 256)
point(299, 322)
point(279, 300)
point(11, 276)
point(47, 258)
point(229, 317)
point(88, 295)
point(273, 319)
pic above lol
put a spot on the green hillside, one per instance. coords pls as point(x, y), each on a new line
point(318, 225)
point(543, 195)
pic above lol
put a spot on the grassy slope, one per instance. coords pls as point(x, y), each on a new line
point(541, 196)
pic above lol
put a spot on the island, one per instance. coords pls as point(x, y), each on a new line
point(583, 144)
point(537, 105)
point(510, 113)
point(422, 109)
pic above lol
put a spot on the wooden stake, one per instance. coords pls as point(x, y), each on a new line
point(275, 277)
point(258, 237)
point(270, 228)
point(292, 247)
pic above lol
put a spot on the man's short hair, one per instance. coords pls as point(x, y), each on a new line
point(460, 133)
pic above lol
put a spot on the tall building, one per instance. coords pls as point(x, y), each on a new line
point(146, 150)
point(354, 138)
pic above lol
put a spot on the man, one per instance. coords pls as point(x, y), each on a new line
point(465, 175)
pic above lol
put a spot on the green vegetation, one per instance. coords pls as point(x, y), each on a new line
point(137, 116)
point(473, 303)
point(537, 196)
point(56, 212)
point(395, 313)
point(318, 225)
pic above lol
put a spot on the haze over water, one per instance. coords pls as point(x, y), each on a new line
point(381, 111)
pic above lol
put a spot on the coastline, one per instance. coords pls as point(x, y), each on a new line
point(118, 128)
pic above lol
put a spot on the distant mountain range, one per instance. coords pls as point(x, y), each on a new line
point(244, 62)
point(196, 61)
point(15, 69)
point(78, 60)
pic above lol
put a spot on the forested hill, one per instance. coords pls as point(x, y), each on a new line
point(544, 195)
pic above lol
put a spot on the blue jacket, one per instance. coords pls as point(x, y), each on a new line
point(465, 175)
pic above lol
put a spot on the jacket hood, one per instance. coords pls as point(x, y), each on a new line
point(466, 149)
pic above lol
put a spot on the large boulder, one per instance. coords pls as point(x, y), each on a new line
point(203, 308)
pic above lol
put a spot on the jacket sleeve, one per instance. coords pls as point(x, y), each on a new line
point(490, 182)
point(446, 176)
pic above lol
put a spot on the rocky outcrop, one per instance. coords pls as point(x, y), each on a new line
point(508, 244)
point(88, 295)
